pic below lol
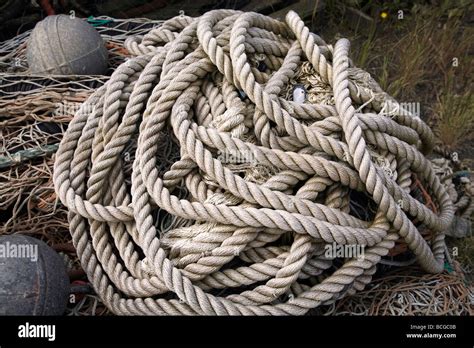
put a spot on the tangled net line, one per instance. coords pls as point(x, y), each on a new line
point(35, 111)
point(408, 291)
point(249, 238)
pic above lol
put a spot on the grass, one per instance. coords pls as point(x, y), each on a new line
point(465, 253)
point(454, 119)
point(364, 53)
point(412, 59)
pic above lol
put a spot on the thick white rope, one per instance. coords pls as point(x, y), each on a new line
point(249, 237)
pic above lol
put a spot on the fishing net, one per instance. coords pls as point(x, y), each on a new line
point(409, 291)
point(34, 114)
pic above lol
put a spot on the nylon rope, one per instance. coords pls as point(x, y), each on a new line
point(246, 238)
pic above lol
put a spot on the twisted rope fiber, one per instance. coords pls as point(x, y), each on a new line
point(248, 238)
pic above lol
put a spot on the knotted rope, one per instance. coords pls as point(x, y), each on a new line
point(247, 236)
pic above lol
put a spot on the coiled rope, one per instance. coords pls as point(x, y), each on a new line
point(247, 238)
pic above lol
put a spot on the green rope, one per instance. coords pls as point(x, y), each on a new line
point(28, 154)
point(98, 22)
point(448, 267)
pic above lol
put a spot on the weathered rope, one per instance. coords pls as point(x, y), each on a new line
point(248, 237)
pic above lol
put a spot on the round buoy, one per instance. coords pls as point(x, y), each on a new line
point(61, 45)
point(33, 278)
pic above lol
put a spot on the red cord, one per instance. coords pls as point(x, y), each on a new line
point(47, 7)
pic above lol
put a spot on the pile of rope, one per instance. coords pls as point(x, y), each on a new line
point(262, 184)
